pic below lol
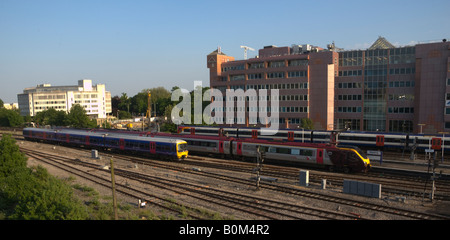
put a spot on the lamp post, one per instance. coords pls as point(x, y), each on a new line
point(421, 125)
point(443, 145)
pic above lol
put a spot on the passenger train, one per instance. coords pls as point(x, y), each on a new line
point(168, 148)
point(339, 158)
point(363, 139)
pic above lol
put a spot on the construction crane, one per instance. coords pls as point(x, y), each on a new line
point(245, 50)
point(149, 106)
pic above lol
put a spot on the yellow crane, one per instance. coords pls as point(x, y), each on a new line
point(149, 106)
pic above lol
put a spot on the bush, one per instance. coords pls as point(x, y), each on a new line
point(10, 118)
point(33, 193)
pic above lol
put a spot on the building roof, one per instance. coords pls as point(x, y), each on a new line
point(218, 51)
point(381, 43)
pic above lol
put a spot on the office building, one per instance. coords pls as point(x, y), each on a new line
point(93, 98)
point(382, 88)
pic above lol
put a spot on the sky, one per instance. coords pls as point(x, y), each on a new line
point(131, 45)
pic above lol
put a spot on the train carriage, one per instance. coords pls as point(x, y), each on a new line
point(383, 140)
point(343, 158)
point(161, 147)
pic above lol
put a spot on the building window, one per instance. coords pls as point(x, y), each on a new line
point(349, 85)
point(447, 124)
point(297, 74)
point(237, 77)
point(275, 75)
point(256, 65)
point(298, 62)
point(350, 97)
point(255, 76)
point(402, 110)
point(353, 124)
point(275, 64)
point(400, 126)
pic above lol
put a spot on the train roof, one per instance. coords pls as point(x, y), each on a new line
point(145, 138)
point(104, 133)
point(284, 143)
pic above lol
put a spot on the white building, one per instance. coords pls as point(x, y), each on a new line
point(94, 98)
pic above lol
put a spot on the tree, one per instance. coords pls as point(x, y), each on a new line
point(307, 124)
point(51, 117)
point(11, 158)
point(124, 115)
point(33, 193)
point(115, 101)
point(78, 118)
point(1, 103)
point(10, 118)
point(159, 95)
point(124, 103)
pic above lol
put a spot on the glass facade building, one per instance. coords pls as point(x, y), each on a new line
point(383, 88)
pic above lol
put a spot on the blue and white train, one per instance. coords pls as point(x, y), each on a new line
point(363, 139)
point(167, 148)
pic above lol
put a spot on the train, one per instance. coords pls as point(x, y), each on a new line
point(334, 157)
point(374, 140)
point(166, 148)
point(324, 155)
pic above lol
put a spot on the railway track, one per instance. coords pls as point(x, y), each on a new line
point(226, 200)
point(72, 166)
point(392, 183)
point(258, 206)
point(288, 190)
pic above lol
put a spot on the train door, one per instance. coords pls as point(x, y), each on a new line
point(254, 134)
point(67, 138)
point(239, 148)
point(436, 143)
point(121, 144)
point(87, 141)
point(319, 157)
point(152, 147)
point(291, 136)
point(221, 146)
point(192, 131)
point(380, 140)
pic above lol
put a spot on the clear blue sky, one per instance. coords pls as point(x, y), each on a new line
point(131, 45)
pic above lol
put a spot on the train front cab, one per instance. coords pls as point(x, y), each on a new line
point(356, 160)
point(182, 152)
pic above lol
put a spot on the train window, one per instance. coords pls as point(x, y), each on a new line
point(305, 152)
point(182, 147)
point(284, 150)
point(295, 151)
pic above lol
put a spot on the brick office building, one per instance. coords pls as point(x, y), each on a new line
point(382, 88)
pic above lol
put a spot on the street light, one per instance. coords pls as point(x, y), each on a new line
point(443, 145)
point(421, 125)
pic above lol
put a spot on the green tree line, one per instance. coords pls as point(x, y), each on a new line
point(76, 118)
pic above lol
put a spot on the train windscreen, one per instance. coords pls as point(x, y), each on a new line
point(182, 147)
point(361, 152)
